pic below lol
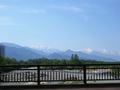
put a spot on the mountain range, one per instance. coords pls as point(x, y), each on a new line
point(24, 53)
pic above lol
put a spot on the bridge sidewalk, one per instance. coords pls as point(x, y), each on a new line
point(107, 88)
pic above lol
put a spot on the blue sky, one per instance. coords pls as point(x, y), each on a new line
point(61, 24)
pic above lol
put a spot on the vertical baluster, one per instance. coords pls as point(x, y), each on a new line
point(97, 76)
point(102, 74)
point(50, 75)
point(64, 76)
point(53, 75)
point(7, 78)
point(72, 77)
point(0, 76)
point(110, 74)
point(91, 74)
point(14, 77)
point(31, 76)
point(20, 76)
point(59, 75)
point(38, 72)
point(42, 75)
point(3, 77)
point(107, 73)
point(26, 76)
point(99, 73)
point(67, 76)
point(47, 75)
point(78, 76)
point(88, 74)
point(11, 77)
point(56, 75)
point(34, 75)
point(17, 77)
point(118, 73)
point(23, 76)
point(94, 74)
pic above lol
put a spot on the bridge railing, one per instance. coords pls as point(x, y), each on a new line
point(39, 74)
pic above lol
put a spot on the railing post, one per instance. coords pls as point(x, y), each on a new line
point(84, 74)
point(38, 75)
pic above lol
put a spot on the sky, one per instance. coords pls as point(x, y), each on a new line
point(61, 24)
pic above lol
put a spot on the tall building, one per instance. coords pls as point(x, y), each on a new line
point(2, 50)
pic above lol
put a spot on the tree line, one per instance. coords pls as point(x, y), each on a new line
point(44, 61)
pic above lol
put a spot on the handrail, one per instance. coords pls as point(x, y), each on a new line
point(84, 78)
point(56, 65)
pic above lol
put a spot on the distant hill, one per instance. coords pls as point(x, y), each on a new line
point(87, 56)
point(21, 53)
point(24, 53)
point(58, 56)
point(38, 51)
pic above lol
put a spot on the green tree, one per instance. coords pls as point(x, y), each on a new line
point(72, 57)
point(76, 57)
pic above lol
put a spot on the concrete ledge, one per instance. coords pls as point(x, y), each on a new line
point(61, 86)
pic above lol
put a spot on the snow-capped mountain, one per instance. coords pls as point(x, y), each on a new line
point(25, 53)
point(101, 52)
point(104, 51)
point(46, 49)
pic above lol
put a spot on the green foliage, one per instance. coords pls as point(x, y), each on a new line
point(69, 67)
point(41, 61)
point(72, 57)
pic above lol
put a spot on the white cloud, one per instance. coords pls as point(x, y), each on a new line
point(3, 7)
point(39, 47)
point(88, 50)
point(9, 24)
point(62, 49)
point(119, 53)
point(6, 21)
point(86, 18)
point(71, 8)
point(104, 51)
point(34, 11)
point(75, 9)
point(85, 5)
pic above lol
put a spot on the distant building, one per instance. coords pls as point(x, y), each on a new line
point(2, 50)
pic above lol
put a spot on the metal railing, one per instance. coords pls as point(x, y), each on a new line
point(82, 73)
